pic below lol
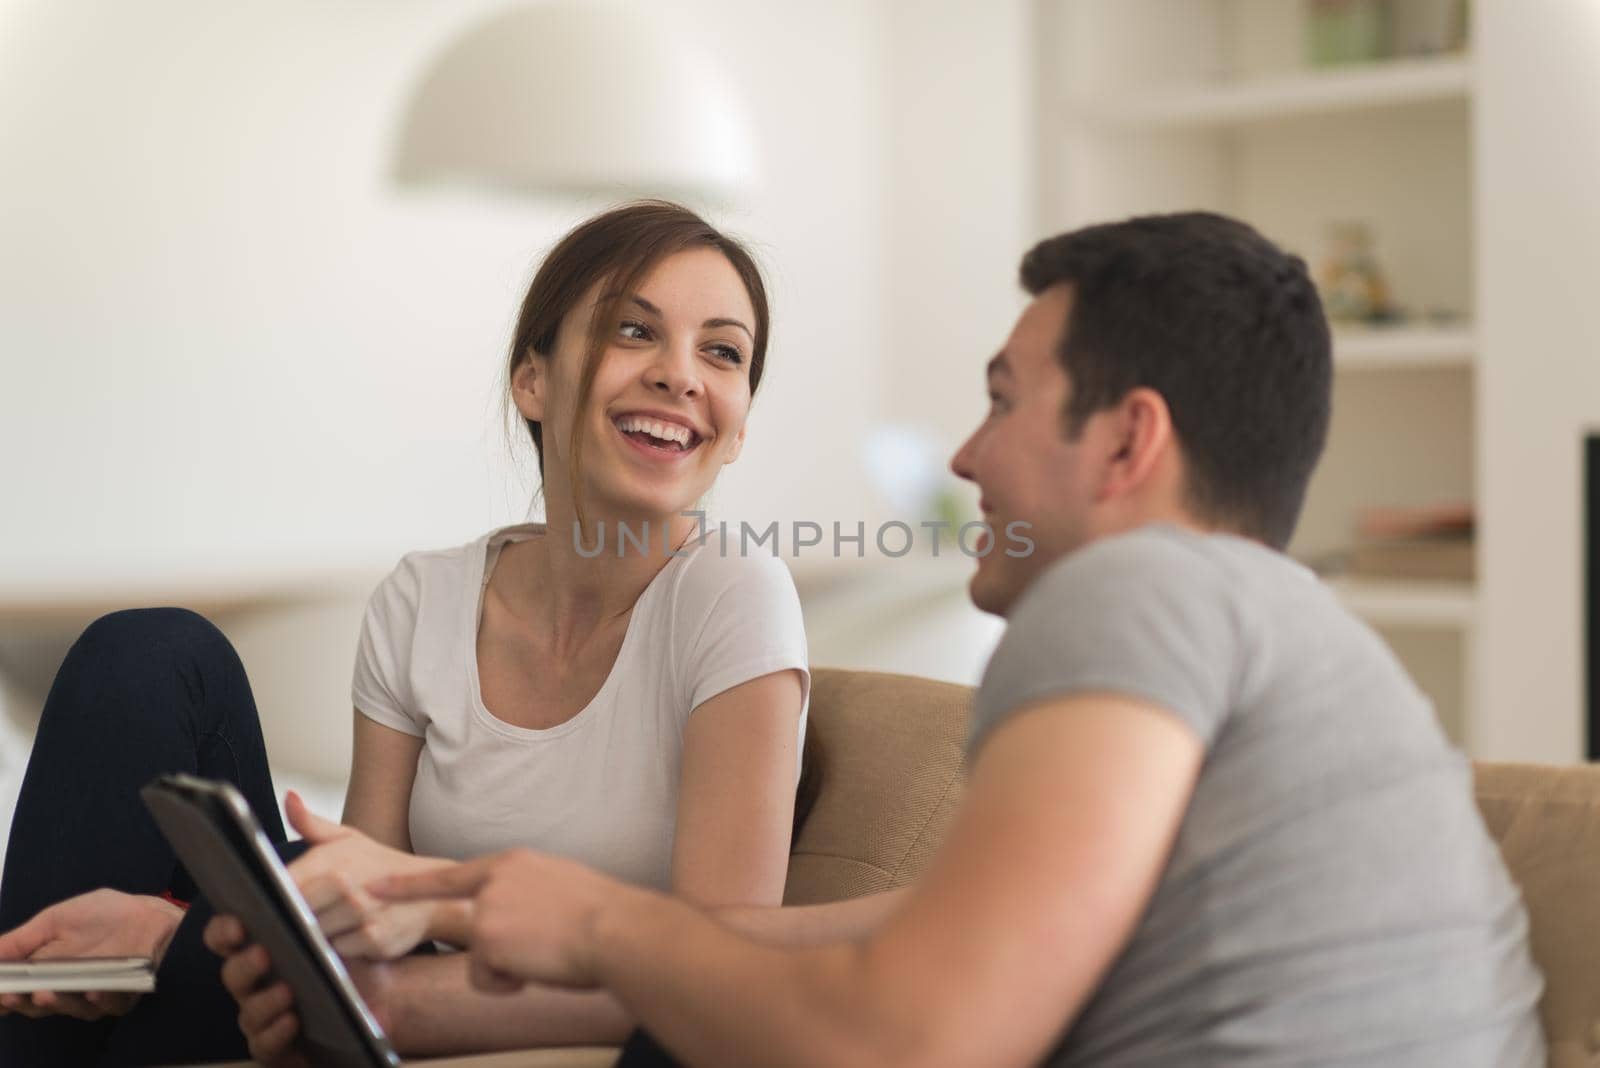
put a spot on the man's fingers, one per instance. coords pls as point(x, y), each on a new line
point(242, 972)
point(261, 1009)
point(491, 981)
point(269, 1045)
point(224, 935)
point(446, 881)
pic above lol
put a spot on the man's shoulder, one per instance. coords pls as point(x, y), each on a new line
point(1151, 557)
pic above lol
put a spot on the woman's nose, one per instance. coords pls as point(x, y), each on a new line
point(674, 371)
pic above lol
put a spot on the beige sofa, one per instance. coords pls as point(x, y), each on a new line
point(892, 775)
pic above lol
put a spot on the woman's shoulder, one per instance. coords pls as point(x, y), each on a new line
point(716, 570)
point(450, 566)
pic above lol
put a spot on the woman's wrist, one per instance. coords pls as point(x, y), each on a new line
point(170, 917)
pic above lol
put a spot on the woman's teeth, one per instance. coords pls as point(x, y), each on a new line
point(655, 432)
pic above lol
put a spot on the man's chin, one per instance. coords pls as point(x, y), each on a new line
point(990, 592)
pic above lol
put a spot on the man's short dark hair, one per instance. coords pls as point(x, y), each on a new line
point(1224, 325)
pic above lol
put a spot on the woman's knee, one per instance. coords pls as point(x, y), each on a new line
point(136, 641)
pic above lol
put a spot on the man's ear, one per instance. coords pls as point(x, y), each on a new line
point(529, 384)
point(1138, 437)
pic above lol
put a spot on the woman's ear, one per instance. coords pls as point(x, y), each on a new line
point(529, 385)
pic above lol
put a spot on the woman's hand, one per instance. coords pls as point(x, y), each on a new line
point(266, 1004)
point(101, 923)
point(332, 875)
point(513, 940)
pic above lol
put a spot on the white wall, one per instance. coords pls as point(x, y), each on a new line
point(233, 356)
point(961, 201)
point(1538, 161)
point(226, 342)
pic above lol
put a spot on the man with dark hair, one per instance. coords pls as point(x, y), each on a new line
point(1209, 819)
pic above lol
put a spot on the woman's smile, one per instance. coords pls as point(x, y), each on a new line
point(658, 435)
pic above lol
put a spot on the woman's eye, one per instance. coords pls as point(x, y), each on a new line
point(634, 331)
point(728, 353)
point(997, 404)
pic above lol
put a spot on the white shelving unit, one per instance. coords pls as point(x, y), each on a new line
point(1400, 603)
point(1168, 105)
point(1387, 348)
point(1262, 99)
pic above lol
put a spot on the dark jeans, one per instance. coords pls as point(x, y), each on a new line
point(142, 693)
point(642, 1051)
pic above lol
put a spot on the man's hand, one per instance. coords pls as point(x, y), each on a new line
point(101, 923)
point(532, 915)
point(266, 1004)
point(331, 876)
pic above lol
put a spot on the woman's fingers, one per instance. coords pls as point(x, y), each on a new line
point(22, 942)
point(312, 827)
point(77, 1007)
point(338, 905)
point(111, 1002)
point(42, 1003)
point(55, 1003)
point(359, 944)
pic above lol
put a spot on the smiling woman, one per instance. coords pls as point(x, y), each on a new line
point(643, 712)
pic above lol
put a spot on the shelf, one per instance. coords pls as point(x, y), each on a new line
point(1400, 603)
point(1379, 85)
point(1376, 348)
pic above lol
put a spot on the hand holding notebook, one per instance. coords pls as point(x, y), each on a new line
point(48, 955)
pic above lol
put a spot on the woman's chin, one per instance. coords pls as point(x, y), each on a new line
point(652, 504)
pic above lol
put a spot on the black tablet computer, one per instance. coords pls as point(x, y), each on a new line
point(219, 841)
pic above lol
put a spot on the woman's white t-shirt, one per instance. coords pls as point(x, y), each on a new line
point(602, 787)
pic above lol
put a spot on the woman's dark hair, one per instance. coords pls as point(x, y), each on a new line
point(619, 247)
point(1226, 327)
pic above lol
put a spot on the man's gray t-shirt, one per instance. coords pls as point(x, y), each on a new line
point(1332, 896)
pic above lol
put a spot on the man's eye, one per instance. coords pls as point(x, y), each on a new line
point(634, 331)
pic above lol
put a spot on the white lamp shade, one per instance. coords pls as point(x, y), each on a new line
point(572, 97)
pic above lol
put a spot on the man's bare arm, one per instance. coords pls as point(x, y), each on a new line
point(814, 925)
point(1068, 820)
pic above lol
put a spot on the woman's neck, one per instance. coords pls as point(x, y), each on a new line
point(573, 583)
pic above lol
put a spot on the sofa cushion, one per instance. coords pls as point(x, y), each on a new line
point(1547, 823)
point(892, 771)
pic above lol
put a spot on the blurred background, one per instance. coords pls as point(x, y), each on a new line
point(259, 262)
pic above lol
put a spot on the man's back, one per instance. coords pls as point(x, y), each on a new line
point(1332, 895)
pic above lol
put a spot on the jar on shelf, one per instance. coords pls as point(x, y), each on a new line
point(1352, 284)
point(1345, 31)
